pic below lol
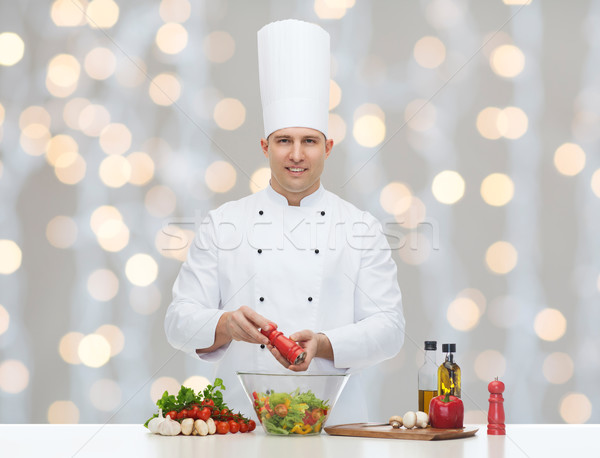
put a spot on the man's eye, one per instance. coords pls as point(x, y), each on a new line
point(310, 140)
point(283, 140)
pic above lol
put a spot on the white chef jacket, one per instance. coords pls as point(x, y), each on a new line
point(324, 266)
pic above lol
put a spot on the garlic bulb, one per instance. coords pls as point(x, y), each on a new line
point(169, 427)
point(155, 422)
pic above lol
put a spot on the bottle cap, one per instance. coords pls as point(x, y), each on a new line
point(449, 348)
point(430, 345)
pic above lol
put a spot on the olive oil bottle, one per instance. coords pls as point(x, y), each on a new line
point(428, 377)
point(449, 373)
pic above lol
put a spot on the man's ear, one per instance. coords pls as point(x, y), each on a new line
point(328, 147)
point(264, 144)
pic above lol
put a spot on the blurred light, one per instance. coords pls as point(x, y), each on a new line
point(229, 114)
point(420, 115)
point(115, 139)
point(512, 122)
point(115, 171)
point(569, 159)
point(395, 198)
point(58, 145)
point(490, 364)
point(102, 215)
point(10, 257)
point(61, 232)
point(260, 179)
point(414, 215)
point(160, 201)
point(34, 115)
point(174, 242)
point(68, 346)
point(415, 248)
point(141, 269)
point(463, 314)
point(196, 382)
point(142, 168)
point(103, 285)
point(501, 257)
point(164, 89)
point(476, 296)
point(558, 368)
point(63, 75)
point(94, 350)
point(448, 187)
point(113, 235)
point(12, 48)
point(162, 384)
point(575, 408)
point(443, 13)
point(219, 46)
point(72, 111)
point(369, 131)
point(550, 324)
point(102, 14)
point(92, 119)
point(63, 412)
point(145, 301)
point(4, 320)
point(330, 9)
point(505, 312)
point(131, 71)
point(429, 52)
point(335, 94)
point(220, 176)
point(507, 61)
point(100, 63)
point(70, 168)
point(175, 10)
point(487, 123)
point(34, 139)
point(497, 189)
point(105, 395)
point(68, 13)
point(337, 128)
point(114, 336)
point(14, 376)
point(172, 38)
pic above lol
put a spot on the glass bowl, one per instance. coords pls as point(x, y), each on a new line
point(292, 404)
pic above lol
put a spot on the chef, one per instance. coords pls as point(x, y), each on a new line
point(294, 254)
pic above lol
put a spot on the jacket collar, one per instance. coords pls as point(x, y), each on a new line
point(308, 201)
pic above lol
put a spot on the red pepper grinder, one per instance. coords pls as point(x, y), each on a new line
point(496, 411)
point(290, 350)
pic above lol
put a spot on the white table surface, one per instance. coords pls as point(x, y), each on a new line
point(49, 441)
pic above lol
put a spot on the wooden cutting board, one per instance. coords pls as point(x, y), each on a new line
point(387, 432)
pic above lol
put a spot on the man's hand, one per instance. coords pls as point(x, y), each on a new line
point(241, 324)
point(315, 345)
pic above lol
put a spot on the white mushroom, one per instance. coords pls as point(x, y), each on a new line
point(395, 421)
point(200, 427)
point(422, 420)
point(409, 419)
point(187, 425)
point(212, 428)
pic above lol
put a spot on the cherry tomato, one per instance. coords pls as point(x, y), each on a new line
point(281, 410)
point(222, 427)
point(208, 402)
point(194, 412)
point(204, 414)
point(172, 414)
point(243, 427)
point(251, 425)
point(316, 414)
point(234, 426)
point(182, 414)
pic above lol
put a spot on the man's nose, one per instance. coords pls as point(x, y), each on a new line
point(297, 154)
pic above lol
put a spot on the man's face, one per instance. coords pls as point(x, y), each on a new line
point(297, 157)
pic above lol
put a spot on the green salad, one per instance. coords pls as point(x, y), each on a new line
point(291, 413)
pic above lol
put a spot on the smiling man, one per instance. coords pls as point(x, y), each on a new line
point(294, 254)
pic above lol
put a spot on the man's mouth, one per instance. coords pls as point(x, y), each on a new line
point(296, 169)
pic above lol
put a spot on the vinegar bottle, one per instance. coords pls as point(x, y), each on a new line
point(428, 377)
point(449, 373)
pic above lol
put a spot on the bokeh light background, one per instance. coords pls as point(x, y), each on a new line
point(471, 128)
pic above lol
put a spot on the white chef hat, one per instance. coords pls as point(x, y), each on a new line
point(293, 67)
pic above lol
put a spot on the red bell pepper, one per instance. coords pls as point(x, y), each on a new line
point(446, 412)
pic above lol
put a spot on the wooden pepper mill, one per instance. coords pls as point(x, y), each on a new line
point(496, 420)
point(290, 350)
